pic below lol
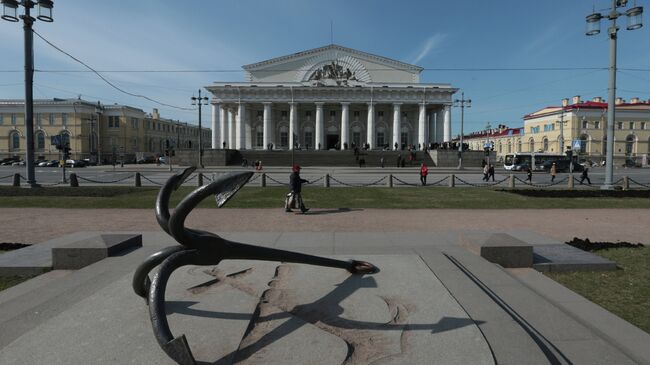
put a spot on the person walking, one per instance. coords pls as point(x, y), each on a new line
point(486, 171)
point(295, 189)
point(490, 172)
point(424, 171)
point(585, 176)
point(553, 172)
point(529, 174)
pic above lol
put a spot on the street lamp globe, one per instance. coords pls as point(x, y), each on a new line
point(45, 10)
point(634, 20)
point(593, 24)
point(9, 10)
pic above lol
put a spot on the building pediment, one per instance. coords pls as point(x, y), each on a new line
point(333, 65)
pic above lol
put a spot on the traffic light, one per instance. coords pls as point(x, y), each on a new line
point(166, 152)
point(66, 152)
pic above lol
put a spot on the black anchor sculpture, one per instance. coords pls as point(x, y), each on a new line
point(204, 248)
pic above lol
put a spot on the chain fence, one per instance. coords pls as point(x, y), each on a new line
point(565, 180)
point(105, 182)
point(402, 182)
point(376, 182)
point(276, 181)
point(482, 185)
point(151, 181)
point(638, 183)
point(6, 177)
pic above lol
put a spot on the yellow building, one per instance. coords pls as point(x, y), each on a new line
point(94, 131)
point(553, 129)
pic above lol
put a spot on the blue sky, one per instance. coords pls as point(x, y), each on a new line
point(224, 35)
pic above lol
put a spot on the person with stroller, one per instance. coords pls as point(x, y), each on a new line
point(295, 188)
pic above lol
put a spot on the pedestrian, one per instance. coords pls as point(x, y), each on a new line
point(529, 174)
point(491, 172)
point(424, 171)
point(585, 176)
point(295, 189)
point(485, 172)
point(553, 172)
point(381, 161)
point(399, 159)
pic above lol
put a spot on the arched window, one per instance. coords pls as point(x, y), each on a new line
point(545, 144)
point(531, 145)
point(583, 143)
point(509, 146)
point(629, 144)
point(40, 141)
point(519, 145)
point(14, 138)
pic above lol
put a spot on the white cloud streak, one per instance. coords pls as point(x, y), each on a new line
point(430, 45)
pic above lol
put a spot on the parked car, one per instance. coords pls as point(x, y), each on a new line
point(88, 162)
point(18, 163)
point(631, 163)
point(562, 165)
point(52, 163)
point(146, 159)
point(75, 163)
point(162, 160)
point(8, 161)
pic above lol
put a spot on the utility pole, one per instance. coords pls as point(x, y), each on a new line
point(462, 104)
point(200, 101)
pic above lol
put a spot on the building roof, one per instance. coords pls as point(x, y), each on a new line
point(549, 110)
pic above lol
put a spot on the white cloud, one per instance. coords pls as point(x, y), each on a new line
point(431, 44)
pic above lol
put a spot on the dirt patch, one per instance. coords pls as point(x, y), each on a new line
point(587, 245)
point(592, 193)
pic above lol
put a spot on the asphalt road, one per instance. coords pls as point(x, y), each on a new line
point(153, 175)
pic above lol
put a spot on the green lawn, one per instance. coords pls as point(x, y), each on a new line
point(624, 292)
point(317, 197)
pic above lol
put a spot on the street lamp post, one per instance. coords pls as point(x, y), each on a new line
point(98, 110)
point(561, 122)
point(462, 104)
point(593, 28)
point(487, 146)
point(200, 101)
point(9, 13)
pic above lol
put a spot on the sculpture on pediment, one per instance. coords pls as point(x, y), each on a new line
point(333, 75)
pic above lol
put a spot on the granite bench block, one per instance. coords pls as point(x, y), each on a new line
point(88, 251)
point(507, 251)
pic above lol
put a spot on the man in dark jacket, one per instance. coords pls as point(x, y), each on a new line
point(295, 188)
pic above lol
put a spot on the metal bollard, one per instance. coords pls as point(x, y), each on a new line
point(138, 181)
point(263, 180)
point(512, 181)
point(16, 180)
point(452, 180)
point(390, 180)
point(73, 180)
point(626, 183)
point(571, 182)
point(326, 183)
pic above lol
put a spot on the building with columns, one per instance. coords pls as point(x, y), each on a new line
point(331, 97)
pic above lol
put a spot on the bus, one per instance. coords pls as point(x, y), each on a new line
point(519, 160)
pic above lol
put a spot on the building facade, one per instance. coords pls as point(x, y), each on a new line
point(576, 123)
point(330, 98)
point(94, 131)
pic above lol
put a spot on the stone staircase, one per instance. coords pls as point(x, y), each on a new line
point(329, 158)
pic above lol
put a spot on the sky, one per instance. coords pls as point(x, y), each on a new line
point(477, 46)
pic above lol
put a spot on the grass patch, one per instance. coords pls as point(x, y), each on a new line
point(624, 292)
point(314, 196)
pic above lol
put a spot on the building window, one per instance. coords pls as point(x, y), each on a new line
point(534, 130)
point(596, 125)
point(629, 145)
point(620, 125)
point(356, 138)
point(50, 119)
point(309, 139)
point(332, 113)
point(37, 119)
point(308, 113)
point(356, 113)
point(405, 114)
point(40, 141)
point(2, 119)
point(641, 127)
point(259, 139)
point(284, 113)
point(531, 145)
point(64, 118)
point(519, 146)
point(585, 124)
point(14, 137)
point(509, 147)
point(260, 113)
point(380, 113)
point(381, 139)
point(284, 139)
point(135, 123)
point(545, 144)
point(13, 118)
point(404, 138)
point(631, 125)
point(113, 122)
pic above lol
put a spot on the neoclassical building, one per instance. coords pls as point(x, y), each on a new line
point(330, 98)
point(99, 132)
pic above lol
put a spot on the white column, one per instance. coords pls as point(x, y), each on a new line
point(240, 134)
point(370, 133)
point(397, 118)
point(223, 126)
point(267, 125)
point(447, 127)
point(345, 124)
point(422, 130)
point(231, 128)
point(439, 125)
point(215, 126)
point(320, 141)
point(293, 113)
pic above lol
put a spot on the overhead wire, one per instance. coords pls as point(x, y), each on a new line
point(105, 80)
